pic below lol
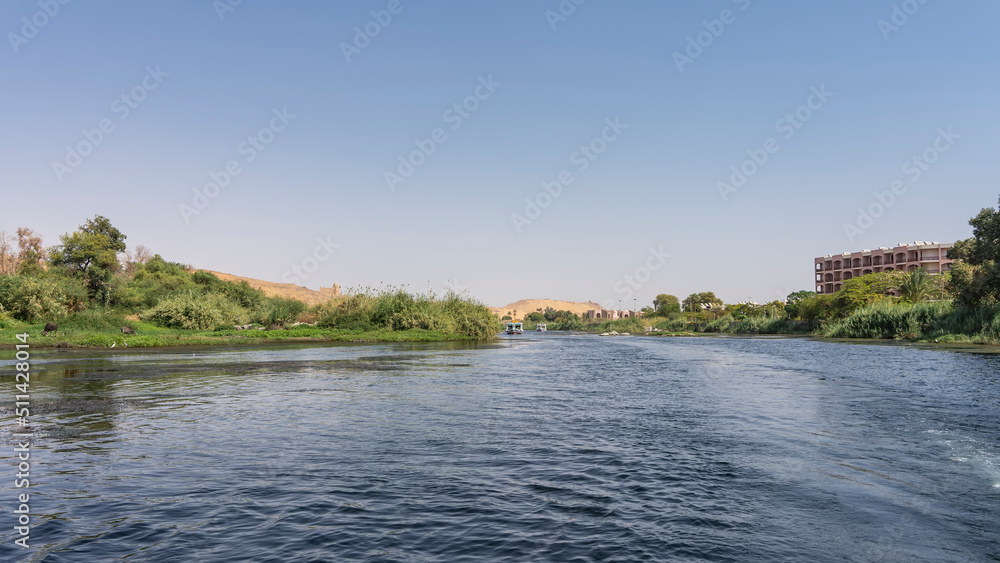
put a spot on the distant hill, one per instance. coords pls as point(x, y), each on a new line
point(525, 306)
point(286, 290)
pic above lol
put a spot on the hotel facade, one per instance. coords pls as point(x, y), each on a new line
point(834, 269)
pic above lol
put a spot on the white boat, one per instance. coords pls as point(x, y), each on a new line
point(541, 327)
point(515, 328)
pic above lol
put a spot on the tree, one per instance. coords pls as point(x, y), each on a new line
point(917, 286)
point(664, 304)
point(865, 290)
point(793, 301)
point(815, 307)
point(92, 251)
point(27, 258)
point(534, 317)
point(695, 302)
point(976, 279)
point(95, 243)
point(8, 258)
point(136, 257)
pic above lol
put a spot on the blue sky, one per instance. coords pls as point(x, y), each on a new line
point(645, 216)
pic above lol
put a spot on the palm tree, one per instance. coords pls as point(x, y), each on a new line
point(917, 286)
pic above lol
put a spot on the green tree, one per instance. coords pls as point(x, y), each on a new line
point(92, 252)
point(534, 317)
point(695, 302)
point(793, 301)
point(976, 280)
point(815, 308)
point(865, 290)
point(664, 304)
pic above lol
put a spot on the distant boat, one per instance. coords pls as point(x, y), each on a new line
point(515, 328)
point(541, 327)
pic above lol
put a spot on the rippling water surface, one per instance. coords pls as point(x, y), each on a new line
point(538, 448)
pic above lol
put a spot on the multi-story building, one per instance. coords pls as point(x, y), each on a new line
point(834, 269)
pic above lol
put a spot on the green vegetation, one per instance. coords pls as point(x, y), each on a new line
point(396, 310)
point(93, 286)
point(665, 304)
point(696, 302)
point(962, 305)
point(976, 280)
point(96, 290)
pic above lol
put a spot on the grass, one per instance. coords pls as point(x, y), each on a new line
point(396, 310)
point(191, 318)
point(631, 326)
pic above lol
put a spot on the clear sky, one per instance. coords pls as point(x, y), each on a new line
point(312, 105)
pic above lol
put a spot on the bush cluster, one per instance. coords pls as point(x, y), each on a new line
point(395, 309)
point(891, 321)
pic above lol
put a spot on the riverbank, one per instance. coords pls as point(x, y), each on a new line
point(933, 322)
point(149, 336)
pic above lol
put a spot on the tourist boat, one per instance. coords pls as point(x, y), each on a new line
point(515, 328)
point(541, 327)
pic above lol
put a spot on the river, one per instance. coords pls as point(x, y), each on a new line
point(542, 447)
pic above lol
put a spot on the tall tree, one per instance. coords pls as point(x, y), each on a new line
point(793, 302)
point(92, 251)
point(30, 251)
point(8, 258)
point(976, 279)
point(136, 257)
point(697, 301)
point(665, 304)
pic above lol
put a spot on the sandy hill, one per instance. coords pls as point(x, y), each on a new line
point(525, 306)
point(286, 290)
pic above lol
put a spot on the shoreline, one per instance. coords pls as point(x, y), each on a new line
point(167, 339)
point(179, 338)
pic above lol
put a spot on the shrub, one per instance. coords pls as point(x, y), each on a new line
point(196, 312)
point(570, 323)
point(672, 325)
point(472, 318)
point(8, 287)
point(278, 311)
point(719, 325)
point(396, 310)
point(974, 320)
point(243, 294)
point(34, 299)
point(766, 325)
point(630, 325)
point(891, 321)
point(93, 320)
